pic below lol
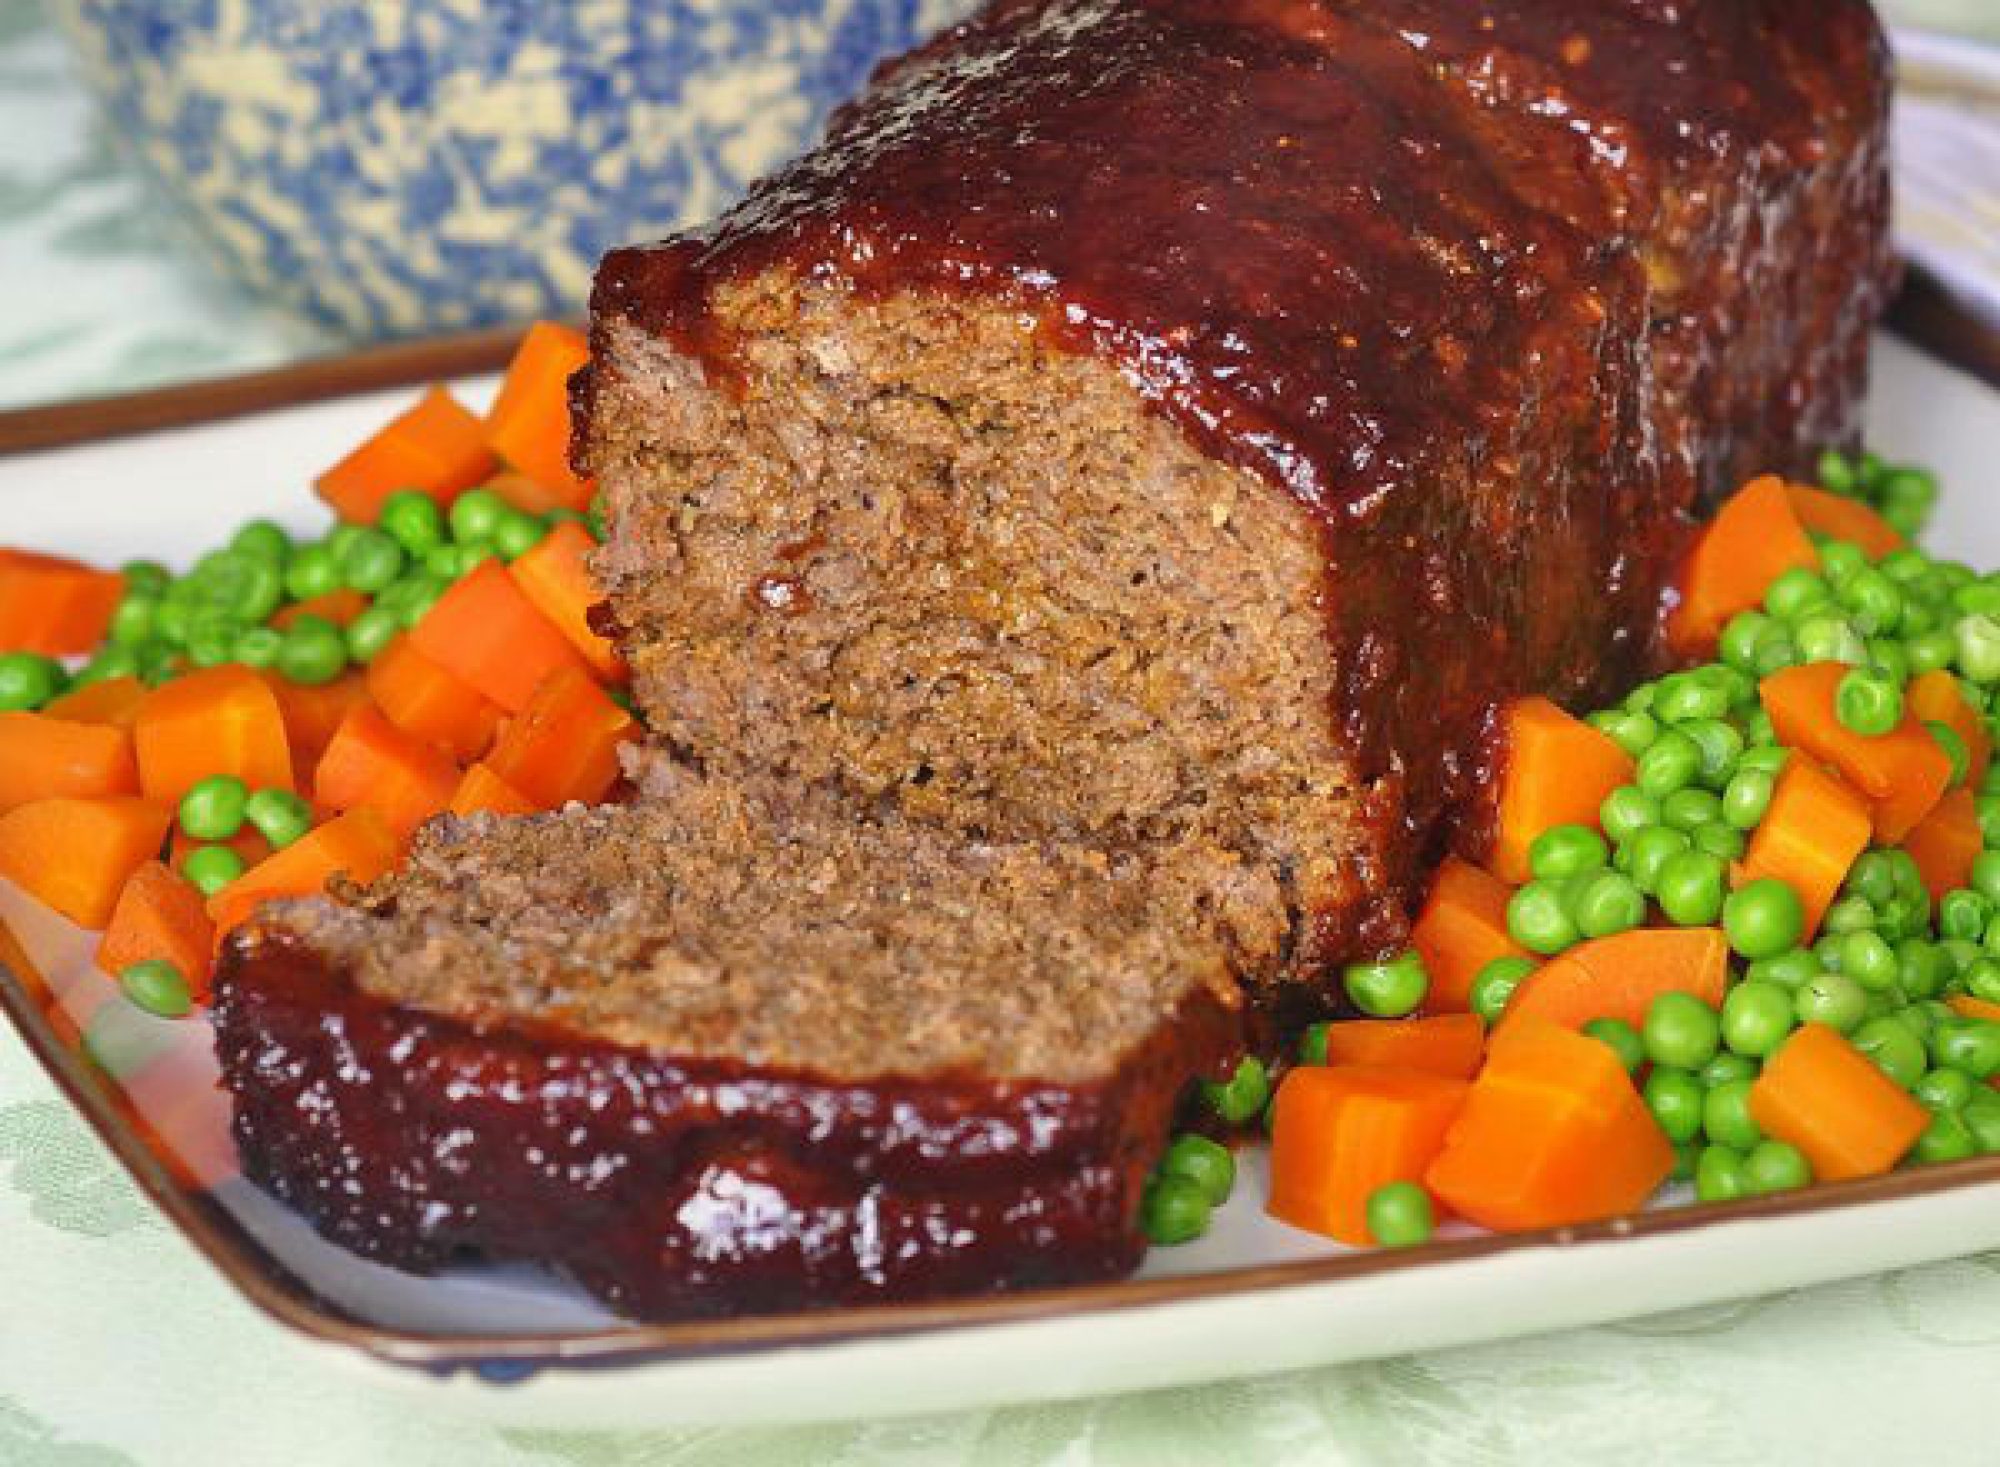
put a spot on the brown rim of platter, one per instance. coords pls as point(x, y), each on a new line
point(1924, 315)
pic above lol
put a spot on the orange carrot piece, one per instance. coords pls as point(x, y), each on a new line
point(1558, 771)
point(1811, 833)
point(1340, 1133)
point(1935, 697)
point(1618, 977)
point(220, 720)
point(1827, 1098)
point(437, 447)
point(529, 425)
point(1450, 1045)
point(488, 633)
point(525, 494)
point(358, 845)
point(556, 577)
point(1823, 512)
point(42, 756)
point(1945, 842)
point(1968, 1007)
point(431, 703)
point(564, 745)
point(248, 843)
point(313, 713)
point(1902, 774)
point(75, 854)
point(1753, 539)
point(482, 790)
point(1462, 928)
point(112, 700)
point(159, 916)
point(339, 606)
point(54, 606)
point(371, 762)
point(1552, 1132)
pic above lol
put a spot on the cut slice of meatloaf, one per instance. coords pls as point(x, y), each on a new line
point(708, 1058)
point(1146, 421)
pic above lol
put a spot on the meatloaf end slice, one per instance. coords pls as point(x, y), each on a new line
point(706, 1060)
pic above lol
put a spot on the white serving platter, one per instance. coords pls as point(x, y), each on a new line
point(1253, 1297)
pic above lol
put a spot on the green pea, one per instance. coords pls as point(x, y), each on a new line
point(313, 572)
point(1173, 1210)
point(1897, 1052)
point(1946, 1138)
point(1829, 639)
point(1873, 601)
point(426, 589)
point(1690, 809)
point(1869, 960)
point(1849, 914)
point(1985, 877)
point(1608, 902)
point(258, 647)
point(1943, 1089)
point(1400, 1215)
point(1775, 1166)
point(1674, 1097)
point(369, 633)
point(1747, 796)
point(280, 816)
point(314, 652)
point(1204, 1162)
point(1971, 1045)
point(1239, 1100)
point(1788, 970)
point(1907, 498)
point(1763, 918)
point(1681, 1031)
point(1626, 811)
point(1765, 756)
point(517, 534)
point(110, 662)
point(1622, 1040)
point(1312, 1043)
point(1873, 875)
point(1982, 980)
point(1686, 699)
point(442, 562)
point(413, 519)
point(1670, 763)
point(1720, 840)
point(1961, 955)
point(135, 623)
point(1868, 703)
point(158, 987)
point(1988, 808)
point(1739, 639)
point(371, 561)
point(1687, 1157)
point(1726, 1068)
point(1563, 851)
point(1689, 888)
point(1757, 1017)
point(1775, 652)
point(1978, 648)
point(1494, 985)
point(1796, 594)
point(1921, 969)
point(158, 664)
point(1387, 990)
point(1840, 562)
point(1538, 918)
point(146, 577)
point(210, 868)
point(170, 622)
point(471, 555)
point(1888, 658)
point(1930, 651)
point(1978, 598)
point(476, 514)
point(213, 808)
point(1982, 1116)
point(1832, 999)
point(28, 680)
point(1718, 1175)
point(1726, 1118)
point(1954, 747)
point(1649, 852)
point(211, 638)
point(1836, 473)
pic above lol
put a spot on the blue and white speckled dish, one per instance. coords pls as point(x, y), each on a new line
point(401, 166)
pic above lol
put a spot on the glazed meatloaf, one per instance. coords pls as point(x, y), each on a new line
point(1071, 531)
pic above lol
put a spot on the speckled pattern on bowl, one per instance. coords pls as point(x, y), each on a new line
point(400, 166)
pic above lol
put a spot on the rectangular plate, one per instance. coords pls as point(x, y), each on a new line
point(514, 1345)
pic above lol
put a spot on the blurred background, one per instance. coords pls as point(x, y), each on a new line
point(190, 189)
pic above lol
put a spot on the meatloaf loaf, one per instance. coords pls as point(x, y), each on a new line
point(1071, 531)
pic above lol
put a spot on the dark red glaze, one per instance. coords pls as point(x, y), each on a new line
point(1496, 290)
point(669, 1187)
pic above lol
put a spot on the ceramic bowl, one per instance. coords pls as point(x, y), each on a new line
point(392, 167)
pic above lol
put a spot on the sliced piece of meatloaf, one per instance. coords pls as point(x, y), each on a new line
point(1071, 532)
point(1147, 422)
point(706, 1059)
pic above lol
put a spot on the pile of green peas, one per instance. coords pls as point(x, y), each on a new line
point(221, 610)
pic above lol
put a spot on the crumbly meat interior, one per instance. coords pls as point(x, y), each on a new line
point(703, 923)
point(924, 569)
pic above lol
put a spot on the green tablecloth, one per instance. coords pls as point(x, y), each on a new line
point(117, 1346)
